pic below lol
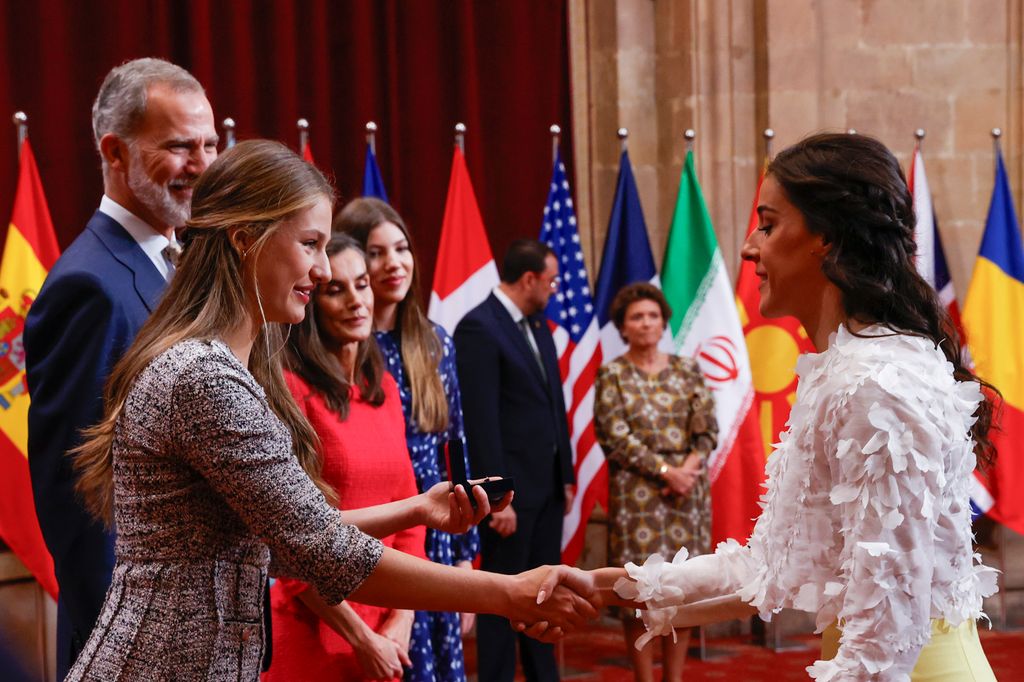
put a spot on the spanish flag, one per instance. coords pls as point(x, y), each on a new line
point(994, 323)
point(29, 253)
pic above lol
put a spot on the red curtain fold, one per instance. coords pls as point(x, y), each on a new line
point(416, 68)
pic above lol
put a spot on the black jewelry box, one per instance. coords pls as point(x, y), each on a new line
point(454, 453)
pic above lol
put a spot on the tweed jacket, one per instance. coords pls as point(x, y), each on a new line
point(207, 497)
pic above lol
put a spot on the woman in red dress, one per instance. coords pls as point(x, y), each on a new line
point(337, 376)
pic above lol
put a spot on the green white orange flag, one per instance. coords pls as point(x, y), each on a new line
point(773, 347)
point(705, 326)
point(29, 252)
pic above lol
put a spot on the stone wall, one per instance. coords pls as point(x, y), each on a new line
point(730, 68)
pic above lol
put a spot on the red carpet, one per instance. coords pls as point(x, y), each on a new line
point(599, 655)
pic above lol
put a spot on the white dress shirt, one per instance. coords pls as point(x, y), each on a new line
point(149, 240)
point(517, 317)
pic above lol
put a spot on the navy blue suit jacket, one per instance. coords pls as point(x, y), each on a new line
point(92, 304)
point(514, 416)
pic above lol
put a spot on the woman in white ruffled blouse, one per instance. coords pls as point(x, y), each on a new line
point(866, 519)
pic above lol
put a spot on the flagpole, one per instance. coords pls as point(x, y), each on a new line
point(997, 133)
point(303, 126)
point(623, 134)
point(690, 134)
point(21, 125)
point(919, 136)
point(460, 137)
point(371, 136)
point(556, 132)
point(229, 132)
point(769, 135)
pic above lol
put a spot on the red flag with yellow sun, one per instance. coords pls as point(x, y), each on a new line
point(773, 346)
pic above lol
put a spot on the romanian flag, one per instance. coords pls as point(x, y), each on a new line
point(994, 323)
point(773, 346)
point(29, 253)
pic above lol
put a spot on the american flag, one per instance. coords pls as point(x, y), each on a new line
point(570, 313)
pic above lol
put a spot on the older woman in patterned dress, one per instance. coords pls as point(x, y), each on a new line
point(655, 421)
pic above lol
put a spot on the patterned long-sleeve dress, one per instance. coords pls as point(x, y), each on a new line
point(644, 421)
point(436, 646)
point(207, 495)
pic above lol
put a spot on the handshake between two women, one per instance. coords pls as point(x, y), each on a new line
point(544, 603)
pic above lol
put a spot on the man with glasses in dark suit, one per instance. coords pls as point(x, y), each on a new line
point(516, 426)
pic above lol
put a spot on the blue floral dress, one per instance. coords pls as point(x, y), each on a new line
point(436, 644)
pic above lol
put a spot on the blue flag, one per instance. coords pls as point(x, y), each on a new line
point(373, 184)
point(627, 255)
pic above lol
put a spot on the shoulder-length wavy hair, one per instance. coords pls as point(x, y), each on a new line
point(253, 186)
point(852, 192)
point(308, 356)
point(420, 347)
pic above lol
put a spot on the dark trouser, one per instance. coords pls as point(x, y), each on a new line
point(537, 541)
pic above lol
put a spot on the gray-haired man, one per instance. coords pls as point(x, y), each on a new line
point(155, 134)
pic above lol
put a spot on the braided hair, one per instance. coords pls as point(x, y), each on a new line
point(852, 192)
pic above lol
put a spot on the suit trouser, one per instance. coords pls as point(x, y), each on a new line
point(537, 541)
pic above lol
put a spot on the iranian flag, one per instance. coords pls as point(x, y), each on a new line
point(705, 325)
point(465, 272)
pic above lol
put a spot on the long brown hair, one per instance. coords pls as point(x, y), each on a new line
point(253, 186)
point(420, 347)
point(307, 356)
point(851, 191)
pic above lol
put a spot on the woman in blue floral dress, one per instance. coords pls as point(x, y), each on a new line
point(421, 357)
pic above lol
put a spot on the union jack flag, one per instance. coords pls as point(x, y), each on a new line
point(574, 325)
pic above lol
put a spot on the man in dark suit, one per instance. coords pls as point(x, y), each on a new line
point(155, 134)
point(516, 426)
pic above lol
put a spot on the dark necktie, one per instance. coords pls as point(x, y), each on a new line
point(524, 326)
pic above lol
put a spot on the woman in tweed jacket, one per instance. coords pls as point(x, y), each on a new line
point(209, 472)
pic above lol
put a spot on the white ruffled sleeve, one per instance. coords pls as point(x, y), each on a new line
point(887, 474)
point(665, 586)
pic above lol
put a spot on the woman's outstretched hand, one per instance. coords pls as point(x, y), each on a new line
point(562, 609)
point(596, 585)
point(449, 509)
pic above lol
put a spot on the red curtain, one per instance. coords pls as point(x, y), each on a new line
point(416, 68)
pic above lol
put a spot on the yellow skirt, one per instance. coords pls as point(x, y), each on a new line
point(952, 655)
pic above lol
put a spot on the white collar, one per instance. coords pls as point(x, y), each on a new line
point(145, 235)
point(510, 306)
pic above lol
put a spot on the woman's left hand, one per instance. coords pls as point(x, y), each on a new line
point(450, 510)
